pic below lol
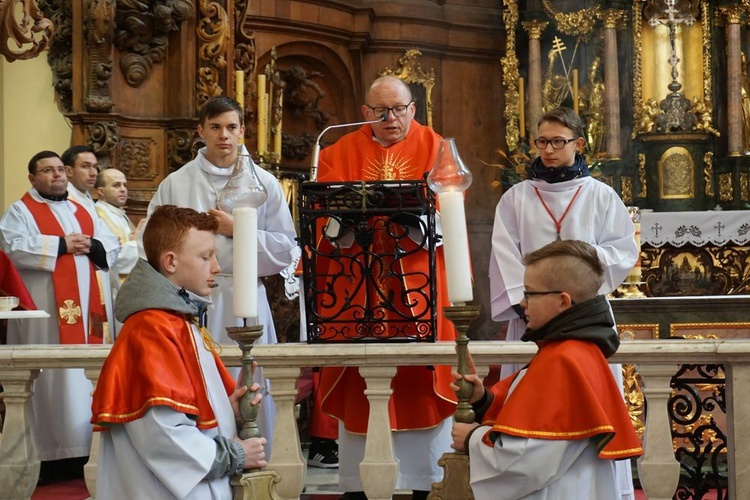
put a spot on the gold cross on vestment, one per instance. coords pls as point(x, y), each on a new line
point(70, 312)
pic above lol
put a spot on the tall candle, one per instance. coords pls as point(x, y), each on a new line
point(521, 109)
point(262, 115)
point(635, 274)
point(277, 131)
point(456, 246)
point(239, 93)
point(575, 91)
point(245, 282)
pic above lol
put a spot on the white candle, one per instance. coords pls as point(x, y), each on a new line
point(245, 262)
point(456, 246)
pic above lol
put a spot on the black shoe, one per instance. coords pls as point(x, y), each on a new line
point(323, 453)
point(353, 495)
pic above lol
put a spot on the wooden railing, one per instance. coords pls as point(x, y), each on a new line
point(656, 361)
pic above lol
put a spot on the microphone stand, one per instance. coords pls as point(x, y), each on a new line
point(316, 147)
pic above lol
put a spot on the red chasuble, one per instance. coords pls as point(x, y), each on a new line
point(567, 393)
point(421, 396)
point(154, 363)
point(65, 279)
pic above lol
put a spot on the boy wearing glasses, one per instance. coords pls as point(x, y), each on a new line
point(559, 200)
point(555, 428)
point(397, 148)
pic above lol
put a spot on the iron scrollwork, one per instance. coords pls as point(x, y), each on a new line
point(359, 242)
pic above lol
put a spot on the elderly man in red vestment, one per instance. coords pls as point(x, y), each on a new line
point(397, 148)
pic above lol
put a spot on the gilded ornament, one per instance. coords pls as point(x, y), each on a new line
point(707, 51)
point(627, 189)
point(676, 174)
point(642, 175)
point(744, 186)
point(725, 188)
point(509, 64)
point(534, 28)
point(410, 71)
point(637, 12)
point(703, 111)
point(732, 14)
point(612, 18)
point(708, 173)
point(579, 23)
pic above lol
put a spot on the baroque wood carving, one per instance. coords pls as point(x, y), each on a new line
point(26, 33)
point(103, 138)
point(142, 31)
point(99, 20)
point(60, 54)
point(214, 39)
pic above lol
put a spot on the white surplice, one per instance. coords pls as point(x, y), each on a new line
point(163, 455)
point(118, 222)
point(522, 225)
point(539, 469)
point(197, 185)
point(105, 283)
point(62, 396)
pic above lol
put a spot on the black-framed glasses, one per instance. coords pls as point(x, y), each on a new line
point(527, 293)
point(556, 143)
point(397, 111)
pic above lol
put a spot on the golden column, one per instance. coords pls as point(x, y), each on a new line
point(534, 29)
point(733, 16)
point(611, 18)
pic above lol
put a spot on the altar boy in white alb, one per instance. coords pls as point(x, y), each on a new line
point(197, 185)
point(167, 406)
point(57, 245)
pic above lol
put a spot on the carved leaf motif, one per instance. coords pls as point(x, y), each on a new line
point(142, 30)
point(28, 30)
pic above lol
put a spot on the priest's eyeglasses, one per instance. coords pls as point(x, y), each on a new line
point(556, 143)
point(52, 170)
point(397, 111)
point(527, 293)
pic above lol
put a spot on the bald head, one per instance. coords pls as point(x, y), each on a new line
point(112, 187)
point(385, 94)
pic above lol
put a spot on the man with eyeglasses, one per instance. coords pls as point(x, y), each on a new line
point(559, 200)
point(557, 428)
point(57, 245)
point(396, 148)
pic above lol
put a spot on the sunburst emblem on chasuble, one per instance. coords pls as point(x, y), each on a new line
point(389, 166)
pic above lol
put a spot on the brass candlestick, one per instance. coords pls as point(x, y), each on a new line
point(246, 336)
point(257, 483)
point(455, 484)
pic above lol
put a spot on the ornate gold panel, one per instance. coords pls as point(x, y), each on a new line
point(744, 186)
point(676, 174)
point(726, 193)
point(638, 331)
point(717, 330)
point(410, 71)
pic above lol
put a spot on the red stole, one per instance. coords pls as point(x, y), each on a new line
point(154, 362)
point(65, 279)
point(567, 393)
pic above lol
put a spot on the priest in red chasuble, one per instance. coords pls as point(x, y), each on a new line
point(397, 148)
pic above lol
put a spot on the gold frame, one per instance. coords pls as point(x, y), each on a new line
point(629, 329)
point(410, 71)
point(660, 165)
point(676, 327)
point(637, 62)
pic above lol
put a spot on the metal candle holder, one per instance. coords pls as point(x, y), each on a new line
point(246, 336)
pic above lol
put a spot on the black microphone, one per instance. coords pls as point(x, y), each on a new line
point(316, 147)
